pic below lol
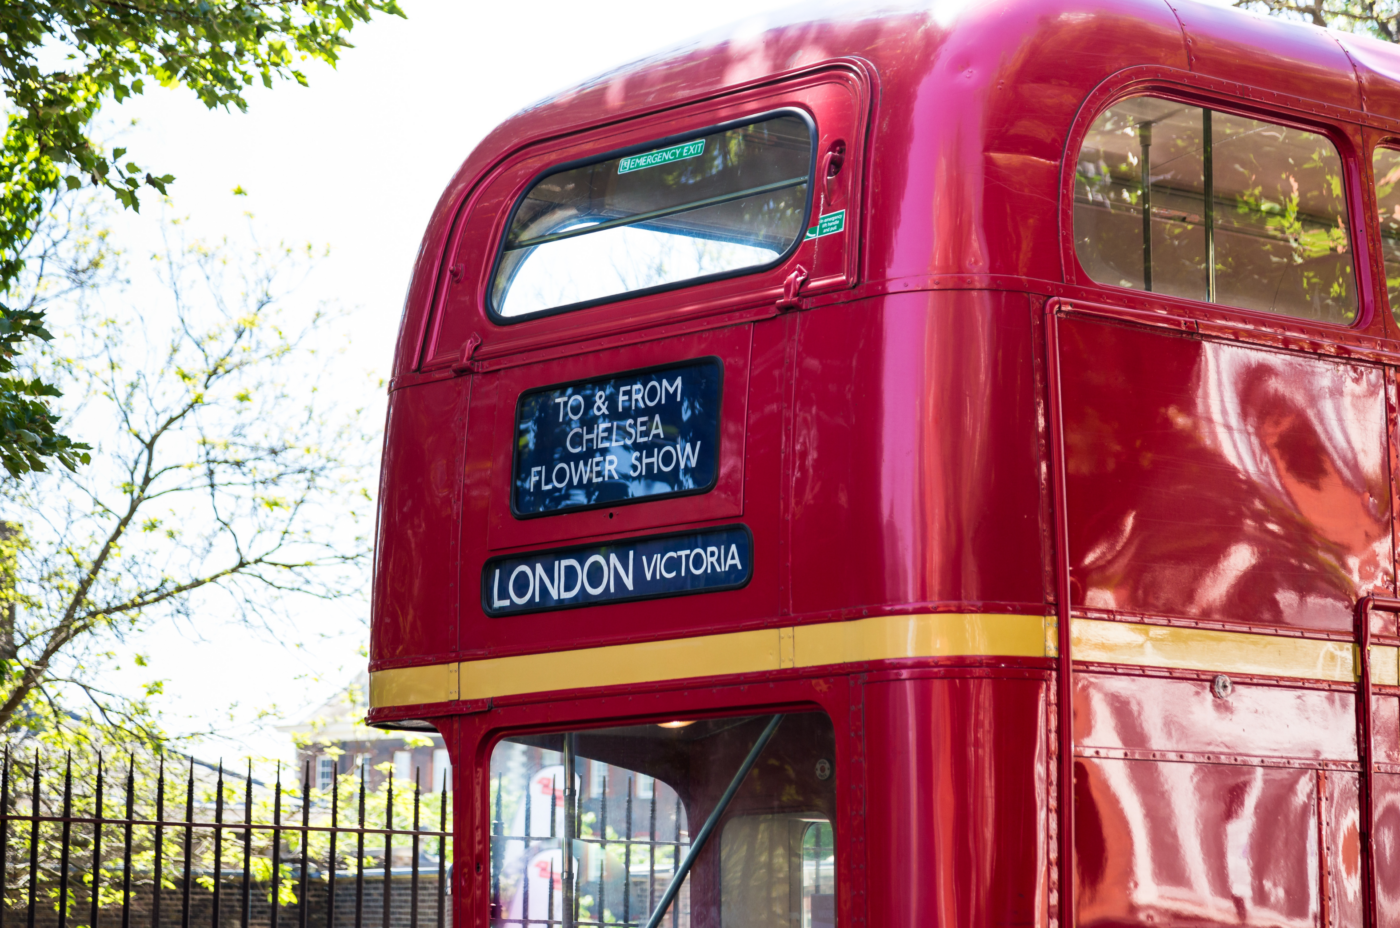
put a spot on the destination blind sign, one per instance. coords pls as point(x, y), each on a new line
point(620, 571)
point(629, 437)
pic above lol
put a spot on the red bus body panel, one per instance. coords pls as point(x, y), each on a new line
point(888, 444)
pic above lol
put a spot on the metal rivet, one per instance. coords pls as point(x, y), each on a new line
point(823, 769)
point(1221, 686)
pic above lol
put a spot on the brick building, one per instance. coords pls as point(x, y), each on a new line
point(335, 737)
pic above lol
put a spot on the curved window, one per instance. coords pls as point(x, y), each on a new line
point(1229, 209)
point(728, 201)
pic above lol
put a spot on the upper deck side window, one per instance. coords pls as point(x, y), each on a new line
point(1230, 210)
point(730, 200)
point(1386, 164)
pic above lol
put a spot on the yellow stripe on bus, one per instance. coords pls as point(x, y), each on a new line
point(879, 638)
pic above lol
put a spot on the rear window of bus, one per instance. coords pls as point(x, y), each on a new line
point(677, 211)
point(1206, 205)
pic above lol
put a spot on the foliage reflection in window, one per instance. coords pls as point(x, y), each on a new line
point(1387, 168)
point(1238, 210)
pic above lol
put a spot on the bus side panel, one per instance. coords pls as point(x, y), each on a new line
point(957, 819)
point(1127, 712)
point(1248, 821)
point(1214, 481)
point(914, 473)
point(1174, 843)
point(1386, 844)
point(415, 596)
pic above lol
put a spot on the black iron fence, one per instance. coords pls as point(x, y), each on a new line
point(94, 848)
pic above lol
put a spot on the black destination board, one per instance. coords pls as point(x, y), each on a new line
point(620, 571)
point(634, 436)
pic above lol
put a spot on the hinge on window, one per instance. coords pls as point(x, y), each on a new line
point(791, 286)
point(464, 362)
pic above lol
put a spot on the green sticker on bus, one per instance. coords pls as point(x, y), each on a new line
point(829, 224)
point(661, 156)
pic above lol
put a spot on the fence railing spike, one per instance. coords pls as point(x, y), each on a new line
point(158, 845)
point(4, 836)
point(246, 905)
point(95, 880)
point(66, 839)
point(216, 906)
point(33, 844)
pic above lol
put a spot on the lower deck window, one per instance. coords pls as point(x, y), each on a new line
point(633, 818)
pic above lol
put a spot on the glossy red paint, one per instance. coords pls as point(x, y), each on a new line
point(958, 825)
point(955, 418)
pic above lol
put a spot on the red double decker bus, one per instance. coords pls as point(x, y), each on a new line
point(908, 468)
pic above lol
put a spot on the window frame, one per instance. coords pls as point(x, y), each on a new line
point(1222, 97)
point(532, 716)
point(813, 134)
point(1377, 139)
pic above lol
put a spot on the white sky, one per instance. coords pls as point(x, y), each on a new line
point(357, 161)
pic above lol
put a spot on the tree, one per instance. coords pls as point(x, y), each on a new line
point(222, 468)
point(108, 50)
point(1379, 18)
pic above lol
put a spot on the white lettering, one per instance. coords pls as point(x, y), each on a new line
point(648, 566)
point(661, 456)
point(535, 475)
point(572, 414)
point(733, 558)
point(542, 581)
point(589, 563)
point(669, 555)
point(580, 471)
point(647, 395)
point(496, 601)
point(712, 560)
point(701, 568)
point(561, 401)
point(690, 454)
point(569, 440)
point(617, 571)
point(655, 428)
point(557, 481)
point(610, 468)
point(681, 554)
point(564, 566)
point(665, 388)
point(529, 591)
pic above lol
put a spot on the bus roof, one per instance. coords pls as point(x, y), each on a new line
point(973, 106)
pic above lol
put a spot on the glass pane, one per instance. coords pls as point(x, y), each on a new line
point(717, 203)
point(1267, 201)
point(818, 875)
point(1387, 168)
point(627, 842)
point(1108, 198)
point(778, 871)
